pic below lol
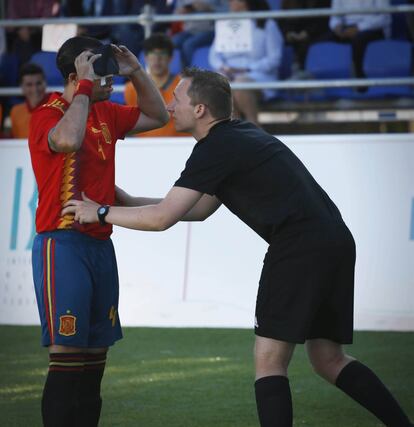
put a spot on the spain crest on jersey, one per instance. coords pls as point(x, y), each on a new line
point(67, 325)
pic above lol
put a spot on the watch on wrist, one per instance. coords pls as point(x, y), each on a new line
point(102, 213)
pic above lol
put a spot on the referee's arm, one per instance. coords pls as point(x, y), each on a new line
point(158, 217)
point(205, 207)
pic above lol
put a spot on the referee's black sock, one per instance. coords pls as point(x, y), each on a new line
point(59, 399)
point(274, 401)
point(360, 383)
point(89, 396)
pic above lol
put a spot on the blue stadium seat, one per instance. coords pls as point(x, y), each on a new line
point(388, 58)
point(175, 66)
point(285, 72)
point(47, 60)
point(200, 58)
point(9, 69)
point(285, 69)
point(329, 60)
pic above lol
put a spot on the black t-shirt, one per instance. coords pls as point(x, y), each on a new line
point(258, 178)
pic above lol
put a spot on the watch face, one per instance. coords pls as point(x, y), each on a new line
point(102, 212)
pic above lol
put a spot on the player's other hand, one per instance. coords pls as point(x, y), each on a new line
point(127, 61)
point(84, 65)
point(85, 210)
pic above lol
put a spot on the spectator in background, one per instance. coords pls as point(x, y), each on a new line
point(33, 83)
point(158, 50)
point(19, 9)
point(132, 35)
point(359, 29)
point(161, 7)
point(195, 33)
point(97, 8)
point(71, 8)
point(301, 33)
point(25, 41)
point(260, 64)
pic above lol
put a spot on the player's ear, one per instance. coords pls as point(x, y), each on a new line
point(73, 79)
point(200, 110)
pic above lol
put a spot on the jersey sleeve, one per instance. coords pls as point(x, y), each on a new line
point(42, 121)
point(126, 118)
point(209, 165)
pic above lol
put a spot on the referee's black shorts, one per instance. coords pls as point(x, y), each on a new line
point(306, 289)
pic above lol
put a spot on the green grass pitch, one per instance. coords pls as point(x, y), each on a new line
point(159, 377)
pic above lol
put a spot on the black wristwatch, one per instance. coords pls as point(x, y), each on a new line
point(102, 213)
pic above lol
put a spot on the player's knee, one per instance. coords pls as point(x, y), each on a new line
point(327, 365)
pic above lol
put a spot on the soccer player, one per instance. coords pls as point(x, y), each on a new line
point(306, 289)
point(33, 84)
point(72, 146)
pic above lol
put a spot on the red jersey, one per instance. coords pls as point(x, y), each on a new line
point(63, 176)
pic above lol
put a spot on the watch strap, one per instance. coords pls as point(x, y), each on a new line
point(102, 213)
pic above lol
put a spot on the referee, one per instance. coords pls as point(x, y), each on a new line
point(306, 289)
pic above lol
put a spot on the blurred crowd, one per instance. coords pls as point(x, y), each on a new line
point(276, 49)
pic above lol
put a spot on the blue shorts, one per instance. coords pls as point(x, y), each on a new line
point(77, 289)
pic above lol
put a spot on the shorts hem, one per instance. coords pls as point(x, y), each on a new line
point(83, 345)
point(280, 337)
point(337, 340)
point(300, 340)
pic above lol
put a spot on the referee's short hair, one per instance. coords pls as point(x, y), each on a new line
point(73, 47)
point(211, 89)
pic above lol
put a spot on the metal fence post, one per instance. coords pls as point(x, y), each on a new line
point(147, 19)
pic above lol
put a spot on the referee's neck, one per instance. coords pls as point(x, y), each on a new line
point(203, 127)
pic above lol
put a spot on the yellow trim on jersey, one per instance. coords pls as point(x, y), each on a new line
point(56, 103)
point(49, 286)
point(106, 133)
point(67, 185)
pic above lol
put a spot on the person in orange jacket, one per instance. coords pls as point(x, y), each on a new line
point(158, 50)
point(33, 84)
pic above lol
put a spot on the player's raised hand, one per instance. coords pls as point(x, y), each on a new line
point(127, 61)
point(84, 65)
point(85, 210)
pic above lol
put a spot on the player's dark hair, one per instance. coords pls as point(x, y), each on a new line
point(30, 69)
point(158, 41)
point(211, 89)
point(73, 47)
